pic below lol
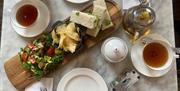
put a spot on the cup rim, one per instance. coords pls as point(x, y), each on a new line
point(16, 8)
point(170, 55)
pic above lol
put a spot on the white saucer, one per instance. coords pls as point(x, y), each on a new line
point(138, 62)
point(41, 24)
point(82, 79)
point(77, 1)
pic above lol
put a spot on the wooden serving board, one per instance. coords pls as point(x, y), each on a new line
point(21, 78)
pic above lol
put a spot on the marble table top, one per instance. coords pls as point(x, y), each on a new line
point(11, 42)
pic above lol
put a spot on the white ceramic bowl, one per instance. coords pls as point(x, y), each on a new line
point(114, 49)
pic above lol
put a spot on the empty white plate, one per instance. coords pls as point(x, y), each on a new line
point(137, 59)
point(77, 1)
point(82, 79)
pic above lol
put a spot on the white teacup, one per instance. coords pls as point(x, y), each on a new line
point(169, 57)
point(20, 4)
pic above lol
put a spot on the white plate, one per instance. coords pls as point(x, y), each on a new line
point(77, 1)
point(82, 79)
point(41, 24)
point(138, 62)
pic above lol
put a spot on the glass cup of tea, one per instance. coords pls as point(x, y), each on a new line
point(25, 14)
point(157, 54)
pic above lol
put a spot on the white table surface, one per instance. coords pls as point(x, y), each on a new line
point(11, 42)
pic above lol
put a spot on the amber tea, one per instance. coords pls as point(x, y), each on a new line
point(155, 54)
point(26, 15)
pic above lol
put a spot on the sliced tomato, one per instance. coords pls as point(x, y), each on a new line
point(31, 45)
point(33, 61)
point(50, 51)
point(24, 56)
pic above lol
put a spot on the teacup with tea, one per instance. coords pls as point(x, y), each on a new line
point(24, 14)
point(157, 54)
point(29, 18)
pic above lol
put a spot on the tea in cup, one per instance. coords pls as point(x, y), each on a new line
point(24, 14)
point(157, 54)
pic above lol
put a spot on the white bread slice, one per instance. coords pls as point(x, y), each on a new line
point(99, 12)
point(107, 19)
point(84, 19)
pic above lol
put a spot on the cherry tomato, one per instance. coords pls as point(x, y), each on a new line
point(50, 51)
point(24, 56)
point(33, 61)
point(31, 45)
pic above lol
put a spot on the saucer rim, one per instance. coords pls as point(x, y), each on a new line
point(77, 1)
point(160, 72)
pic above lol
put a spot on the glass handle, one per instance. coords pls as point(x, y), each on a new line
point(136, 36)
point(144, 2)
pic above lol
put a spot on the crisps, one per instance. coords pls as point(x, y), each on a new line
point(69, 37)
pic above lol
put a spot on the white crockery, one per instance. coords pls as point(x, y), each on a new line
point(82, 79)
point(169, 50)
point(77, 1)
point(16, 8)
point(38, 26)
point(137, 58)
point(114, 49)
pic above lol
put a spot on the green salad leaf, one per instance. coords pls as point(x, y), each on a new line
point(48, 39)
point(57, 59)
point(36, 60)
point(37, 72)
point(26, 65)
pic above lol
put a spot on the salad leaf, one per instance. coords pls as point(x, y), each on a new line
point(27, 50)
point(38, 59)
point(27, 65)
point(59, 52)
point(37, 72)
point(57, 59)
point(48, 38)
point(49, 66)
point(43, 63)
point(47, 59)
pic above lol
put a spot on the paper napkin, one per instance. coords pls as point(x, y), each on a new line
point(130, 3)
point(43, 83)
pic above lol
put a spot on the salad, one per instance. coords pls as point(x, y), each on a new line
point(41, 56)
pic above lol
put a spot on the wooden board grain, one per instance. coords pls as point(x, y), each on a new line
point(21, 78)
point(16, 74)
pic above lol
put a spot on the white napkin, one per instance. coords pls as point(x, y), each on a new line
point(43, 83)
point(130, 3)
